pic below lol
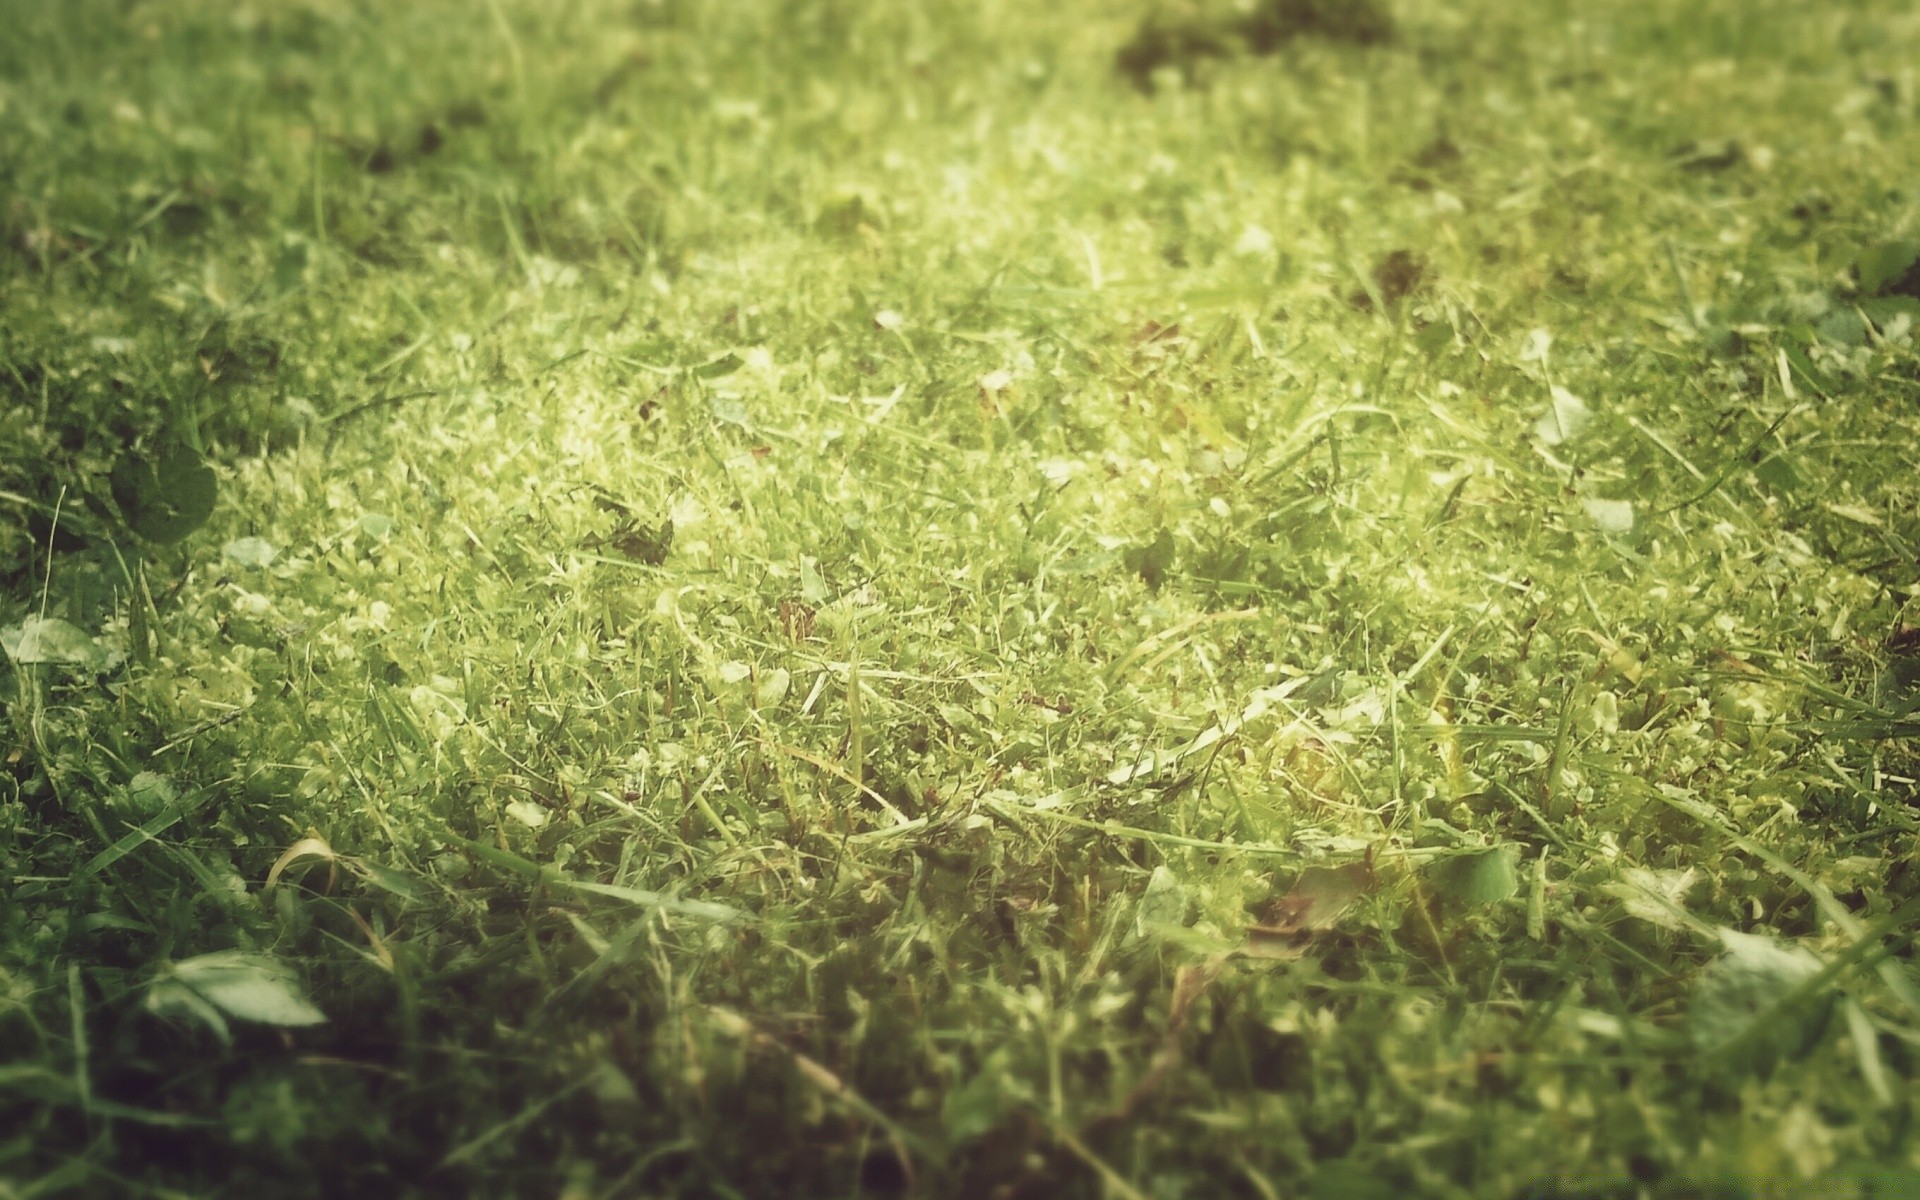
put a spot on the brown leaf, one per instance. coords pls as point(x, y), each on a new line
point(311, 846)
point(1314, 905)
point(1276, 943)
point(1320, 895)
point(643, 543)
point(796, 620)
point(1395, 277)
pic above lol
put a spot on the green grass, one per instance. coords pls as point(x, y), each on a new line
point(834, 599)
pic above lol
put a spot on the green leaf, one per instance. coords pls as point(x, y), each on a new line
point(1723, 341)
point(1153, 560)
point(149, 793)
point(249, 552)
point(704, 910)
point(1657, 897)
point(407, 886)
point(980, 1103)
point(1843, 327)
point(169, 998)
point(250, 987)
point(715, 368)
point(1890, 314)
point(729, 410)
point(1321, 894)
point(165, 500)
point(527, 813)
point(772, 687)
point(1163, 905)
point(1876, 1180)
point(1481, 877)
point(1885, 264)
point(1738, 1001)
point(1866, 1052)
point(290, 262)
point(1344, 1179)
point(1612, 516)
point(612, 1087)
point(1776, 474)
point(136, 838)
point(813, 586)
point(1564, 420)
point(39, 640)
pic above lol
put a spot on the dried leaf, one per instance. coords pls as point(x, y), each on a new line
point(1657, 897)
point(306, 847)
point(648, 544)
point(1320, 895)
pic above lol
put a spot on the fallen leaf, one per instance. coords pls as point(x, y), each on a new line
point(251, 987)
point(1313, 905)
point(52, 640)
point(1740, 1001)
point(306, 847)
point(1612, 516)
point(1319, 896)
point(1657, 897)
point(249, 552)
point(1477, 877)
point(527, 813)
point(1564, 419)
point(1163, 905)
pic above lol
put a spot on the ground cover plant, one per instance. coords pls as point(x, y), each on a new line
point(960, 599)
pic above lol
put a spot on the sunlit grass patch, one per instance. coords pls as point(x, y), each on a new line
point(843, 599)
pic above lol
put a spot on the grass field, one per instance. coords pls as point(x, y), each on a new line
point(959, 599)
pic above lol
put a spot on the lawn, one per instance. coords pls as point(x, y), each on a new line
point(831, 598)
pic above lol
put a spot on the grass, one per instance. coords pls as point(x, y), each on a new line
point(958, 599)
